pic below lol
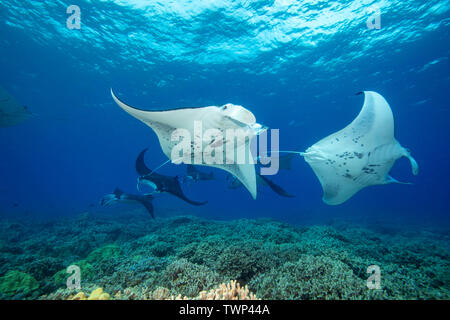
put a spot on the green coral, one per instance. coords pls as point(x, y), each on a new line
point(91, 266)
point(16, 282)
point(103, 254)
point(87, 272)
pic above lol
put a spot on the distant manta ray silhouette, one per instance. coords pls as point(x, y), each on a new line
point(120, 196)
point(11, 112)
point(159, 182)
point(360, 155)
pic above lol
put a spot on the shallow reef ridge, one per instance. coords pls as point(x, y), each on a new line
point(185, 257)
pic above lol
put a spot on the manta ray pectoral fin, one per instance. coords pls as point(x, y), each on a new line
point(164, 123)
point(141, 167)
point(147, 203)
point(244, 172)
point(174, 188)
point(275, 188)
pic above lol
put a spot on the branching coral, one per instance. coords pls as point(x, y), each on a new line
point(228, 291)
point(188, 279)
point(231, 290)
point(311, 277)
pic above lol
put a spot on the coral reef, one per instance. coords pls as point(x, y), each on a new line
point(188, 279)
point(97, 294)
point(16, 284)
point(225, 291)
point(311, 277)
point(186, 257)
point(228, 291)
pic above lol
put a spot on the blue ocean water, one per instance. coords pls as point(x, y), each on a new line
point(295, 64)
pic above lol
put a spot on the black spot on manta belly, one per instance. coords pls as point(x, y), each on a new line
point(359, 155)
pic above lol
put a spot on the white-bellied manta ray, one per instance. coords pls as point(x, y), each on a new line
point(360, 155)
point(223, 118)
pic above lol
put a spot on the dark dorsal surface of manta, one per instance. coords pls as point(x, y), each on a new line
point(284, 161)
point(234, 183)
point(159, 182)
point(120, 196)
point(360, 155)
point(263, 180)
point(11, 112)
point(196, 175)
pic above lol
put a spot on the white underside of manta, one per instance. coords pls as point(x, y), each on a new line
point(360, 155)
point(227, 117)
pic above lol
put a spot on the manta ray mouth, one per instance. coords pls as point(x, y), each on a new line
point(313, 155)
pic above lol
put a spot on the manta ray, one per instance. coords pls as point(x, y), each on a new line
point(360, 155)
point(120, 196)
point(222, 119)
point(160, 183)
point(234, 183)
point(194, 174)
point(11, 112)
